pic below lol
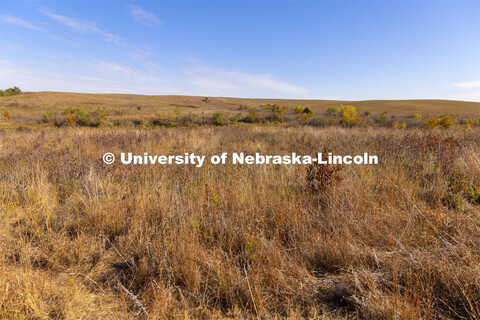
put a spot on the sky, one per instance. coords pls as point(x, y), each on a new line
point(345, 50)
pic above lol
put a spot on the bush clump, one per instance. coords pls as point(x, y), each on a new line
point(80, 115)
point(10, 92)
point(299, 109)
point(399, 125)
point(48, 117)
point(307, 110)
point(278, 112)
point(236, 118)
point(218, 118)
point(447, 122)
point(346, 115)
point(76, 116)
point(320, 177)
point(252, 117)
point(469, 123)
point(431, 123)
point(166, 121)
point(379, 119)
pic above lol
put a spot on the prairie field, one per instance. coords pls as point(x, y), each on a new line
point(50, 109)
point(80, 239)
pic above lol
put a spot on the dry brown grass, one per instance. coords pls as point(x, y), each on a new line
point(397, 240)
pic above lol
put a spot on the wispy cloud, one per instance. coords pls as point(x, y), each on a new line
point(32, 79)
point(84, 26)
point(110, 69)
point(469, 84)
point(143, 16)
point(17, 21)
point(91, 27)
point(238, 83)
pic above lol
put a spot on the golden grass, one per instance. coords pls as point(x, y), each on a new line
point(397, 240)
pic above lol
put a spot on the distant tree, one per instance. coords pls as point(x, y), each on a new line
point(10, 92)
point(16, 90)
point(307, 110)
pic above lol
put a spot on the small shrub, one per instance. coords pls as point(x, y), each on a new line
point(349, 114)
point(236, 118)
point(399, 125)
point(320, 176)
point(431, 123)
point(466, 122)
point(380, 119)
point(366, 113)
point(48, 117)
point(97, 118)
point(470, 122)
point(80, 115)
point(70, 121)
point(345, 114)
point(462, 187)
point(308, 111)
point(299, 109)
point(278, 112)
point(83, 117)
point(218, 118)
point(416, 115)
point(252, 116)
point(447, 122)
point(473, 194)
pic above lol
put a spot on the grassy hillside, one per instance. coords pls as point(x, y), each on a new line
point(54, 100)
point(32, 108)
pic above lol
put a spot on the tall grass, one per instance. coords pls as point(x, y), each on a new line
point(81, 239)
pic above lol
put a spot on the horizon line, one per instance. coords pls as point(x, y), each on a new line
point(252, 98)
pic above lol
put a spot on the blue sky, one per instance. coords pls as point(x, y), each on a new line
point(351, 50)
